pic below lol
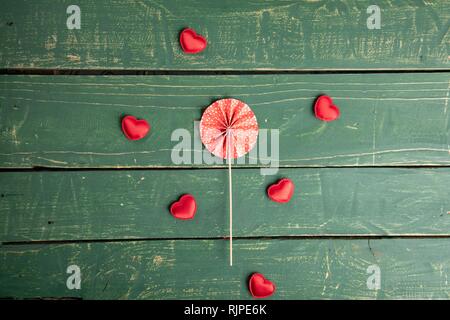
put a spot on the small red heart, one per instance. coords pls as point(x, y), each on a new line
point(325, 109)
point(281, 191)
point(184, 208)
point(134, 129)
point(260, 287)
point(191, 42)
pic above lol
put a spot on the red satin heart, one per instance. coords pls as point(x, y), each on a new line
point(134, 129)
point(260, 287)
point(281, 191)
point(191, 42)
point(184, 208)
point(325, 109)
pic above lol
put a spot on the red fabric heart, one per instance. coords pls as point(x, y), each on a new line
point(260, 287)
point(281, 191)
point(191, 42)
point(134, 129)
point(184, 208)
point(325, 109)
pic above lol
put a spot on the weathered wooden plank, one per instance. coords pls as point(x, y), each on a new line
point(242, 35)
point(135, 204)
point(67, 121)
point(301, 269)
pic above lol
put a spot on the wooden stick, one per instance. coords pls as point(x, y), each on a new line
point(230, 191)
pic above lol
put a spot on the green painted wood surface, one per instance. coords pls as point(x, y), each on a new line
point(115, 224)
point(134, 204)
point(320, 269)
point(242, 35)
point(74, 121)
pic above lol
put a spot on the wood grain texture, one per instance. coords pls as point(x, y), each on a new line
point(74, 121)
point(135, 204)
point(313, 269)
point(241, 34)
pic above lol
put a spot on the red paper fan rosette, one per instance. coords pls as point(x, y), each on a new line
point(229, 124)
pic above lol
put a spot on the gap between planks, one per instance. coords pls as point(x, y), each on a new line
point(211, 72)
point(281, 238)
point(179, 167)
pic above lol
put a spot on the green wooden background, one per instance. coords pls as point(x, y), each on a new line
point(378, 126)
point(372, 188)
point(197, 269)
point(142, 34)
